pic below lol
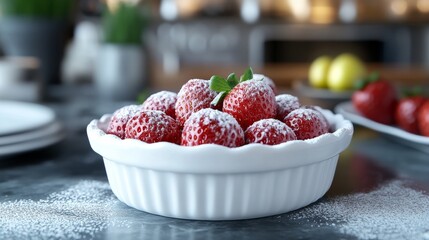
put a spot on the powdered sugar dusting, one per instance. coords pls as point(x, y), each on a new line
point(222, 126)
point(163, 96)
point(303, 113)
point(163, 101)
point(75, 213)
point(393, 211)
point(269, 131)
point(307, 123)
point(268, 80)
point(192, 97)
point(120, 118)
point(127, 111)
point(153, 126)
point(286, 103)
point(250, 101)
point(255, 86)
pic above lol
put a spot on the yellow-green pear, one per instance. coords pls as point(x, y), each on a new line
point(318, 73)
point(345, 70)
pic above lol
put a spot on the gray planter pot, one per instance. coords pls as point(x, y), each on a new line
point(40, 38)
point(120, 72)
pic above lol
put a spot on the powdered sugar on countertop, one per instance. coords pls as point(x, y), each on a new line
point(78, 212)
point(393, 211)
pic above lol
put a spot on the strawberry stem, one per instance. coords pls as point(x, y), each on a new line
point(218, 99)
point(219, 84)
point(247, 75)
point(232, 80)
point(413, 92)
point(372, 77)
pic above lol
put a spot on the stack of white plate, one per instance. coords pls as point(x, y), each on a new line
point(27, 126)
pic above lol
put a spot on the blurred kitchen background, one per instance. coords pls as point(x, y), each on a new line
point(121, 48)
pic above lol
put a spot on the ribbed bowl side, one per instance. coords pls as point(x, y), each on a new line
point(220, 196)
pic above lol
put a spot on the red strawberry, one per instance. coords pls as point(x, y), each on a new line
point(306, 123)
point(269, 131)
point(153, 126)
point(163, 101)
point(212, 126)
point(286, 103)
point(120, 118)
point(250, 101)
point(376, 101)
point(247, 100)
point(423, 119)
point(406, 113)
point(268, 80)
point(192, 97)
point(325, 123)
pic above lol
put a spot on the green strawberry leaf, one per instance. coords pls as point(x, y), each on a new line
point(372, 77)
point(360, 84)
point(218, 99)
point(413, 92)
point(232, 80)
point(219, 84)
point(247, 75)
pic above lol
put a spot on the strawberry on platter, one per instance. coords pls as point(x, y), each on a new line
point(407, 111)
point(376, 99)
point(423, 119)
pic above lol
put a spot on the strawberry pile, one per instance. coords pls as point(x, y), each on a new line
point(231, 112)
point(377, 100)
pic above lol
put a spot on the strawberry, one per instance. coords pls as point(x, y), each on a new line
point(192, 97)
point(163, 101)
point(286, 103)
point(269, 131)
point(152, 126)
point(212, 126)
point(247, 100)
point(324, 121)
point(250, 101)
point(306, 123)
point(269, 81)
point(376, 100)
point(120, 118)
point(406, 113)
point(423, 119)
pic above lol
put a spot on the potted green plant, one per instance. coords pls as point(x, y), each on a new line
point(121, 67)
point(36, 28)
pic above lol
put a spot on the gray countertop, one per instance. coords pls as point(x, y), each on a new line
point(370, 162)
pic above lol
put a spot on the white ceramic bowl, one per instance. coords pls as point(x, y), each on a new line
point(212, 182)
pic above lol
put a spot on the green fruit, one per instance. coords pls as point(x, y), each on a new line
point(345, 70)
point(318, 74)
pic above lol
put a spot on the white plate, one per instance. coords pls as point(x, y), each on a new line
point(19, 117)
point(415, 141)
point(38, 133)
point(32, 144)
